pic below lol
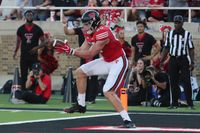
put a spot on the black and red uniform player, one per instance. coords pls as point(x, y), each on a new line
point(46, 56)
point(28, 36)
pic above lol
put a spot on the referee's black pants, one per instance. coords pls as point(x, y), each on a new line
point(179, 70)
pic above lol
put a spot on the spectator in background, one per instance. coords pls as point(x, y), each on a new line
point(156, 60)
point(193, 3)
point(7, 13)
point(41, 15)
point(105, 13)
point(125, 3)
point(125, 45)
point(81, 3)
point(38, 87)
point(141, 14)
point(91, 3)
point(28, 36)
point(156, 15)
point(142, 44)
point(46, 55)
point(70, 14)
point(19, 12)
point(177, 3)
point(116, 14)
point(137, 88)
point(113, 18)
point(195, 14)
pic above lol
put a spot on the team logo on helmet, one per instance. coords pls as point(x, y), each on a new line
point(92, 15)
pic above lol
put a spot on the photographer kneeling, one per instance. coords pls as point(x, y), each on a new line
point(38, 87)
point(160, 86)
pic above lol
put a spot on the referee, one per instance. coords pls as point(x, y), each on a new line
point(180, 47)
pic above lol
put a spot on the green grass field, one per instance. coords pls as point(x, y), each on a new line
point(56, 104)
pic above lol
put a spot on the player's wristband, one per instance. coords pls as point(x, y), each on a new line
point(54, 42)
point(72, 52)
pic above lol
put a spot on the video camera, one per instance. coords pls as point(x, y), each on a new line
point(148, 74)
point(36, 72)
point(36, 69)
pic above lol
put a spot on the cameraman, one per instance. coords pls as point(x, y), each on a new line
point(160, 87)
point(38, 87)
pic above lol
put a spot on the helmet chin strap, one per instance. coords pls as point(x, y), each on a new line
point(90, 31)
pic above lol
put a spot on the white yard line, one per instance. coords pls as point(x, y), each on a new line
point(56, 119)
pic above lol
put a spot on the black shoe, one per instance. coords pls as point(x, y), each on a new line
point(172, 107)
point(128, 124)
point(75, 108)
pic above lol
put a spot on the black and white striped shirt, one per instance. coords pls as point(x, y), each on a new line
point(179, 43)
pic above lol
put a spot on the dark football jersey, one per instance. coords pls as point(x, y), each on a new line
point(30, 36)
point(142, 47)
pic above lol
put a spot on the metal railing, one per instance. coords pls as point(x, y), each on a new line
point(103, 8)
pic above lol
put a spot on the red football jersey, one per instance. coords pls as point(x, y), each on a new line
point(113, 49)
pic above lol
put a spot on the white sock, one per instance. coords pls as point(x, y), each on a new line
point(124, 115)
point(81, 99)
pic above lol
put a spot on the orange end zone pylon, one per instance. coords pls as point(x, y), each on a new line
point(124, 98)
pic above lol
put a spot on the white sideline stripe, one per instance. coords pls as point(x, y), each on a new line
point(172, 113)
point(147, 129)
point(91, 116)
point(56, 119)
point(51, 111)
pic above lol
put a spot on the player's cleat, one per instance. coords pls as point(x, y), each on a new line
point(75, 108)
point(128, 124)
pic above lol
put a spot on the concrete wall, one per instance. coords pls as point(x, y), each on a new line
point(8, 37)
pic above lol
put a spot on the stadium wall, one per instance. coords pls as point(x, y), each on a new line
point(8, 37)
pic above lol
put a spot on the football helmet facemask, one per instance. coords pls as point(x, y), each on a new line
point(91, 18)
